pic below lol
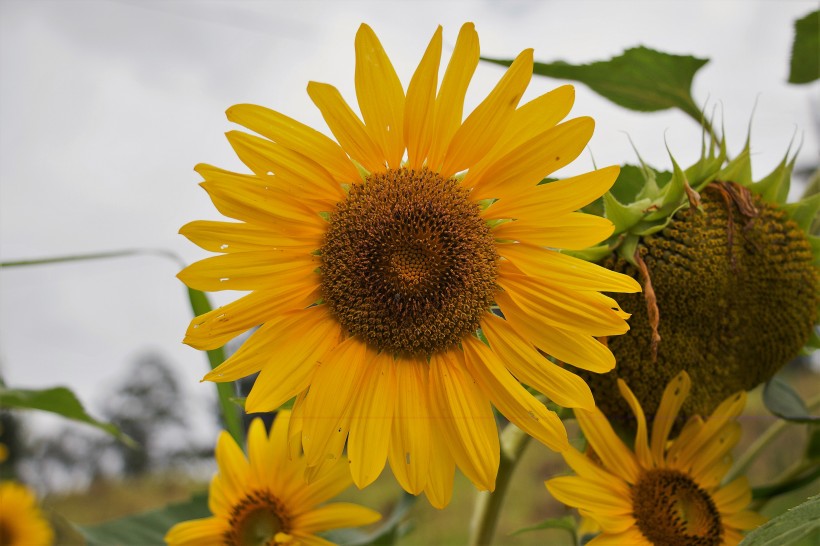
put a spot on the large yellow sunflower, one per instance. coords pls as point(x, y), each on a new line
point(374, 262)
point(263, 499)
point(663, 493)
point(21, 521)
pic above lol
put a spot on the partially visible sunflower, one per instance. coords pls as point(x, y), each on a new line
point(374, 262)
point(662, 493)
point(263, 499)
point(21, 521)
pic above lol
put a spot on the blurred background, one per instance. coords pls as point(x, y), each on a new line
point(106, 106)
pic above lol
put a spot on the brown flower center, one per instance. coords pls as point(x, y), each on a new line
point(408, 263)
point(672, 510)
point(256, 521)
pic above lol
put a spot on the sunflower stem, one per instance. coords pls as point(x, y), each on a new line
point(762, 441)
point(488, 505)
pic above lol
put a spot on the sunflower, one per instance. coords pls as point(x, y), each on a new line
point(21, 521)
point(263, 499)
point(373, 264)
point(664, 492)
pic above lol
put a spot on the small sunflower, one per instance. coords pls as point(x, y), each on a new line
point(21, 521)
point(664, 492)
point(263, 499)
point(374, 263)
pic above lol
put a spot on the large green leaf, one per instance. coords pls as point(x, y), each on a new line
point(59, 400)
point(640, 79)
point(148, 528)
point(805, 66)
point(801, 523)
point(782, 401)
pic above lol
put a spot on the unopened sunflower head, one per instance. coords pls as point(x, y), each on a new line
point(730, 275)
point(375, 261)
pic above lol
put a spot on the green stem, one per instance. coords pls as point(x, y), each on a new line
point(488, 505)
point(762, 441)
point(794, 473)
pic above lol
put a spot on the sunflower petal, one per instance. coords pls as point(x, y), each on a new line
point(641, 440)
point(198, 532)
point(466, 417)
point(380, 95)
point(419, 107)
point(590, 496)
point(346, 126)
point(409, 453)
point(296, 136)
point(613, 453)
point(511, 399)
point(450, 99)
point(574, 231)
point(439, 489)
point(372, 420)
point(673, 396)
point(630, 537)
point(733, 497)
point(744, 520)
point(233, 468)
point(334, 516)
point(273, 270)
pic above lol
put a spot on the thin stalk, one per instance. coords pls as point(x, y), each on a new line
point(488, 505)
point(762, 441)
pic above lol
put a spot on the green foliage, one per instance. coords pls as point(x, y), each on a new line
point(801, 523)
point(567, 523)
point(640, 79)
point(805, 65)
point(59, 400)
point(782, 401)
point(147, 528)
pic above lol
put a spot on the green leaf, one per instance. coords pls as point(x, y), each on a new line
point(805, 66)
point(386, 534)
point(797, 523)
point(804, 212)
point(813, 445)
point(147, 528)
point(640, 79)
point(200, 304)
point(782, 401)
point(567, 523)
point(802, 480)
point(61, 401)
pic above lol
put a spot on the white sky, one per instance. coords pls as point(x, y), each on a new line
point(106, 106)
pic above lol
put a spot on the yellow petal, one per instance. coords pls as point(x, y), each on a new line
point(577, 311)
point(328, 483)
point(303, 539)
point(198, 532)
point(439, 489)
point(590, 496)
point(466, 417)
point(745, 520)
point(380, 95)
point(372, 420)
point(287, 356)
point(334, 516)
point(610, 524)
point(215, 328)
point(274, 270)
point(409, 453)
point(630, 537)
point(613, 453)
point(587, 469)
point(346, 126)
point(526, 165)
point(419, 108)
point(641, 440)
point(582, 351)
point(554, 198)
point(716, 449)
point(485, 125)
point(574, 231)
point(233, 468)
point(733, 497)
point(450, 99)
point(528, 121)
point(714, 427)
point(230, 236)
point(334, 385)
point(218, 503)
point(296, 136)
point(511, 399)
point(284, 169)
point(571, 272)
point(561, 386)
point(673, 396)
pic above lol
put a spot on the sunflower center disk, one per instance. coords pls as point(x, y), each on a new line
point(408, 263)
point(256, 520)
point(670, 508)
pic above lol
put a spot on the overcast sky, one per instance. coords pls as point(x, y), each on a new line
point(106, 106)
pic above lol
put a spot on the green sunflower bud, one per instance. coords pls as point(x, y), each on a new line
point(731, 279)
